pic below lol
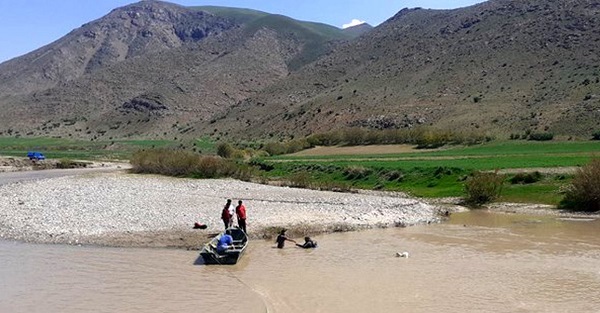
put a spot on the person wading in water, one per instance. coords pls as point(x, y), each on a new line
point(308, 243)
point(282, 238)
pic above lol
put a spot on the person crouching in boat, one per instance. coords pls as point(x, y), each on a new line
point(225, 242)
point(308, 243)
point(282, 238)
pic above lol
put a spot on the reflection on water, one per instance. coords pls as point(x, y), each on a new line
point(477, 262)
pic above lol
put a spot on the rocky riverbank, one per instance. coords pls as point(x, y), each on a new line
point(119, 209)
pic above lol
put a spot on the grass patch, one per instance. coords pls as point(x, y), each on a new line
point(542, 193)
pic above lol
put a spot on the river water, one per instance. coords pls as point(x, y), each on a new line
point(476, 262)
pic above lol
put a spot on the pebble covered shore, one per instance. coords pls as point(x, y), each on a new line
point(145, 210)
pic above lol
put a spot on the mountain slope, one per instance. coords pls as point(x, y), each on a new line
point(501, 66)
point(206, 64)
point(125, 33)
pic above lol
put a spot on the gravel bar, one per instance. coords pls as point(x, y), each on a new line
point(120, 209)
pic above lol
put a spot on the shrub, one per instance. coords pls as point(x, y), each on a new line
point(297, 145)
point(483, 187)
point(526, 178)
point(400, 136)
point(541, 136)
point(392, 175)
point(275, 148)
point(68, 163)
point(596, 135)
point(584, 192)
point(434, 139)
point(441, 171)
point(181, 163)
point(300, 180)
point(354, 136)
point(225, 150)
point(334, 186)
point(261, 165)
point(374, 137)
point(164, 161)
point(326, 139)
point(214, 167)
point(356, 172)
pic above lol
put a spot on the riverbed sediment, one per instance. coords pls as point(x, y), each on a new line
point(121, 209)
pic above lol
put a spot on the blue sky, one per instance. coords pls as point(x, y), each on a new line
point(26, 25)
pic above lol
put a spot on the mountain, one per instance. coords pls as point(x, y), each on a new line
point(129, 32)
point(152, 68)
point(358, 30)
point(500, 67)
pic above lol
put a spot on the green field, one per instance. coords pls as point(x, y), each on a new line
point(442, 173)
point(427, 173)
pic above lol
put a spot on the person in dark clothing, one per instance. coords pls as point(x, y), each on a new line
point(282, 238)
point(226, 215)
point(240, 211)
point(308, 243)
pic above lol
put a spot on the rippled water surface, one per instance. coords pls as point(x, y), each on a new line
point(477, 262)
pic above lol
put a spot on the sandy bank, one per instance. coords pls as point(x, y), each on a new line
point(120, 209)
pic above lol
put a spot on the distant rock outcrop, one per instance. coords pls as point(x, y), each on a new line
point(145, 103)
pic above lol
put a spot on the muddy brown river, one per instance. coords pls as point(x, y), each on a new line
point(476, 262)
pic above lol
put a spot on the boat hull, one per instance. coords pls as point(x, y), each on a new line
point(210, 255)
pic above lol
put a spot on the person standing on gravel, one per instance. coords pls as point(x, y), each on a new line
point(231, 208)
point(227, 214)
point(240, 211)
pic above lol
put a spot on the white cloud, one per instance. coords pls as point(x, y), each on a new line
point(353, 23)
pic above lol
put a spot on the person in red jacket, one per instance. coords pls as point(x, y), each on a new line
point(240, 211)
point(226, 215)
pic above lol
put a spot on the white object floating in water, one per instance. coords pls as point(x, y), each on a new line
point(576, 219)
point(402, 254)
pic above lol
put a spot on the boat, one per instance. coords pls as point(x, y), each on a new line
point(230, 256)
